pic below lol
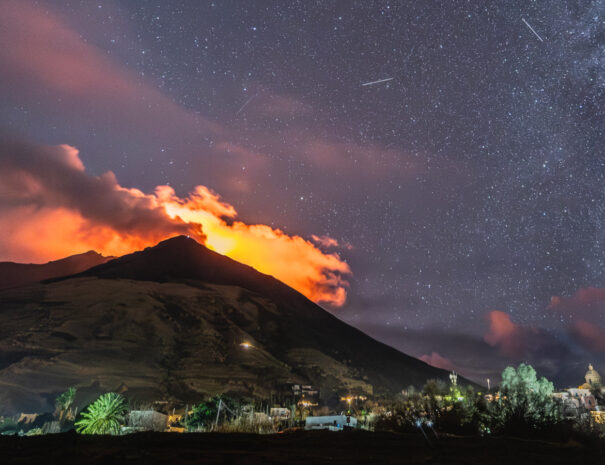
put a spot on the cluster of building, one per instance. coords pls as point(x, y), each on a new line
point(306, 395)
point(578, 400)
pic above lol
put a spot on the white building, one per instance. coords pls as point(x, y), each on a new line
point(574, 400)
point(331, 422)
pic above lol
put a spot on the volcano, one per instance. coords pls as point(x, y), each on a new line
point(168, 323)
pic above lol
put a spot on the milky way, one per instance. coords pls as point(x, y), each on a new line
point(471, 179)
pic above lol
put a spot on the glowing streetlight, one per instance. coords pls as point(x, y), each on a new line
point(247, 345)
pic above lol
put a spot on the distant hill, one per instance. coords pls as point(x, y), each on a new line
point(166, 323)
point(17, 274)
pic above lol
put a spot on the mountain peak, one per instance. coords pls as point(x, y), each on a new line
point(89, 253)
point(182, 258)
point(178, 242)
point(181, 239)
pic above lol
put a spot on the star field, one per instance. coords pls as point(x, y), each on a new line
point(472, 181)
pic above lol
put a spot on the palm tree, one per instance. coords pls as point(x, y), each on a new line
point(103, 416)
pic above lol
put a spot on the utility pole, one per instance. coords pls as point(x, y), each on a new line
point(218, 412)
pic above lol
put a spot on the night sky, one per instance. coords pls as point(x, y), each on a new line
point(467, 193)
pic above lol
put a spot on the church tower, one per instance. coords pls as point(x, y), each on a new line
point(592, 377)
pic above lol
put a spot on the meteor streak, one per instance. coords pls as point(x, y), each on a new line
point(532, 29)
point(245, 104)
point(377, 82)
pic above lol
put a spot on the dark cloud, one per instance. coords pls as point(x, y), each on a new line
point(589, 335)
point(54, 177)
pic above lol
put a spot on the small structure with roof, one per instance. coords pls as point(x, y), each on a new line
point(331, 422)
point(147, 420)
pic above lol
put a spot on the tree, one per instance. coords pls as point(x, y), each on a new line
point(434, 388)
point(433, 392)
point(103, 416)
point(464, 412)
point(8, 426)
point(64, 403)
point(525, 401)
point(205, 414)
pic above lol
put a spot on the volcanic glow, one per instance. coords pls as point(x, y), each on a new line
point(291, 259)
point(47, 220)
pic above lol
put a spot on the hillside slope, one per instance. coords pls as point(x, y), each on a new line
point(167, 323)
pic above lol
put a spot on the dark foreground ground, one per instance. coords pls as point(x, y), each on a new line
point(291, 448)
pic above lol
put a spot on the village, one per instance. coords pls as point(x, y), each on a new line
point(430, 409)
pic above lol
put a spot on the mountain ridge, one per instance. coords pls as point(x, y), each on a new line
point(13, 274)
point(168, 322)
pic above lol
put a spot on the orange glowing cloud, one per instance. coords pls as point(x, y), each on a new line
point(581, 299)
point(50, 207)
point(291, 259)
point(512, 339)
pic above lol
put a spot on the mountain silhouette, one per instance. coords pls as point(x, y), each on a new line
point(167, 323)
point(17, 274)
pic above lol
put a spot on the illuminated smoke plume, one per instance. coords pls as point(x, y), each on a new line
point(50, 207)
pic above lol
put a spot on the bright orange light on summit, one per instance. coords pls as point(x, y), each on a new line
point(292, 259)
point(58, 210)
